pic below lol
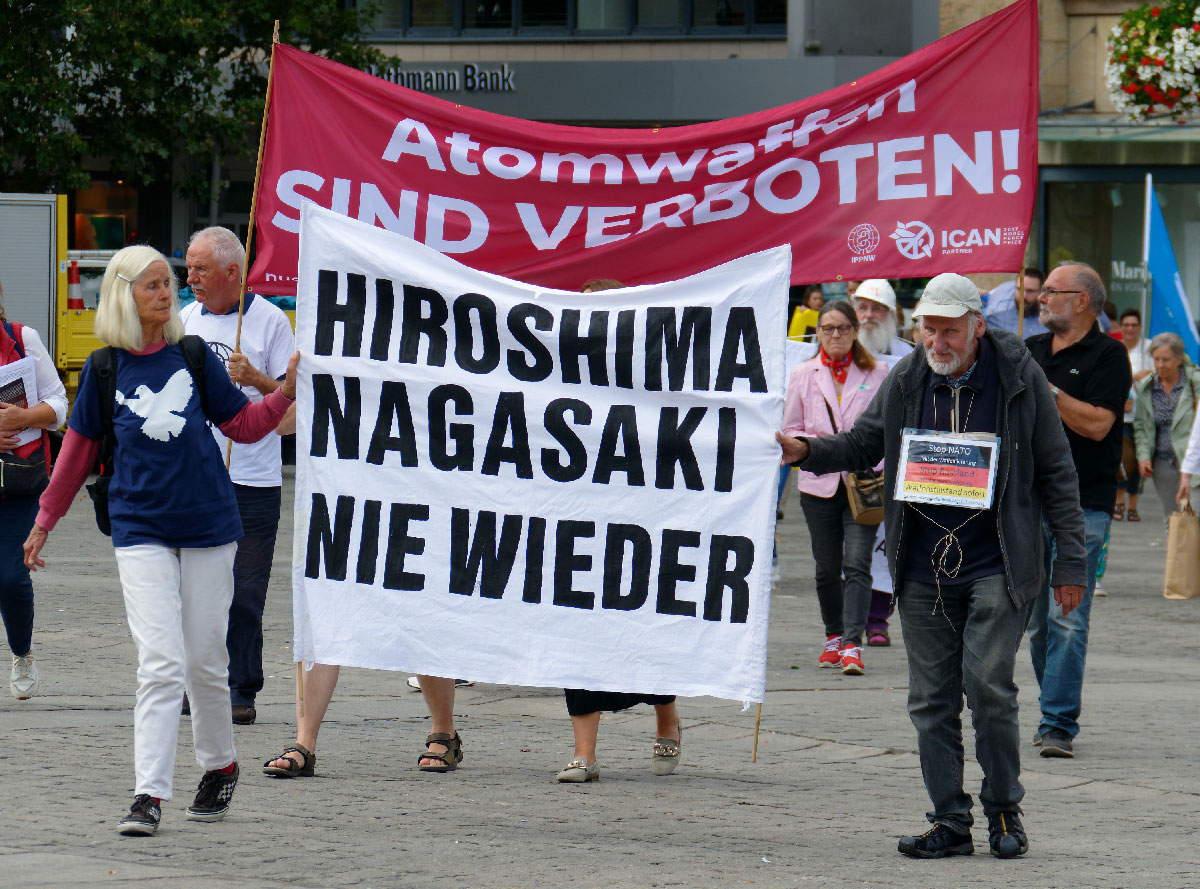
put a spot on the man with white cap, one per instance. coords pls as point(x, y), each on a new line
point(875, 305)
point(966, 577)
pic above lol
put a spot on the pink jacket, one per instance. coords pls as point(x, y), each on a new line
point(810, 389)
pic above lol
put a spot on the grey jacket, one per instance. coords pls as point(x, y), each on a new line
point(1036, 474)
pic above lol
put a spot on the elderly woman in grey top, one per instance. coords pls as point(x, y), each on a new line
point(1164, 414)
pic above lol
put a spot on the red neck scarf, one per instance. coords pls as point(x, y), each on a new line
point(839, 367)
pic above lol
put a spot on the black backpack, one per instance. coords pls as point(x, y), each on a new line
point(104, 366)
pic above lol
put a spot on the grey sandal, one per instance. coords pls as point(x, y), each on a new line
point(577, 771)
point(666, 753)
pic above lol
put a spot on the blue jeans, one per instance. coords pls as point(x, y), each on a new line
point(967, 643)
point(1058, 644)
point(259, 510)
point(16, 589)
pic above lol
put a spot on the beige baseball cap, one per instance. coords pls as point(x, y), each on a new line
point(877, 290)
point(949, 296)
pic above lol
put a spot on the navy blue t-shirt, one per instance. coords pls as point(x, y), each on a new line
point(169, 484)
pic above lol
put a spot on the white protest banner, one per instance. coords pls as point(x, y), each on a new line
point(531, 486)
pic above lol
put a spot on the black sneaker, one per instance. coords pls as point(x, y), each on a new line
point(1006, 836)
point(213, 795)
point(938, 842)
point(244, 714)
point(143, 818)
point(1056, 742)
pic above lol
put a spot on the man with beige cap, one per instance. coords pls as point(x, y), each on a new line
point(966, 576)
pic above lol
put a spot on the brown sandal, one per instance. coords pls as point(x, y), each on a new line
point(295, 770)
point(449, 760)
point(1118, 512)
point(1132, 516)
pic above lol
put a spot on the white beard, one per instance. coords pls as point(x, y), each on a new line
point(876, 337)
point(945, 368)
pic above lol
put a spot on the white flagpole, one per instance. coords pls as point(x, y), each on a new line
point(1146, 254)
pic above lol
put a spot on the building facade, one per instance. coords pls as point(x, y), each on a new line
point(650, 63)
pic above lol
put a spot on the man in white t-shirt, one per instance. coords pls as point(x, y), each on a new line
point(258, 364)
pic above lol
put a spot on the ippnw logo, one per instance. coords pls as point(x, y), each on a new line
point(913, 239)
point(863, 239)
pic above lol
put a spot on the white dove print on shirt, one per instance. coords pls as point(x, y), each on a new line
point(161, 409)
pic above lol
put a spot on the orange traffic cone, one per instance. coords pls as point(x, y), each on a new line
point(74, 291)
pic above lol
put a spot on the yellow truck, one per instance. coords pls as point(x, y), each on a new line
point(36, 277)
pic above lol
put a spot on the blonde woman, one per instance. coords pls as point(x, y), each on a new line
point(174, 519)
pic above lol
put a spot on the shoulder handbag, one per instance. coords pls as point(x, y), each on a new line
point(22, 477)
point(104, 366)
point(864, 489)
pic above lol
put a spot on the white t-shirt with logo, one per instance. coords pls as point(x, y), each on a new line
point(268, 342)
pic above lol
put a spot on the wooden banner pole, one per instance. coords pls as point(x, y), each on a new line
point(1020, 295)
point(262, 139)
point(757, 723)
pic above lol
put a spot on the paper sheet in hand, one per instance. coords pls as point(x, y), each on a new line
point(18, 385)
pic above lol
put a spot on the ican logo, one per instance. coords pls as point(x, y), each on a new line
point(966, 240)
point(913, 239)
point(863, 241)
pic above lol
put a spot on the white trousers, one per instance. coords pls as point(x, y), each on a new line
point(177, 604)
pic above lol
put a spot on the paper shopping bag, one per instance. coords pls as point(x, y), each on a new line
point(1182, 579)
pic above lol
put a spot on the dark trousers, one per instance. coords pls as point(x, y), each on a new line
point(16, 589)
point(964, 643)
point(881, 610)
point(259, 509)
point(841, 548)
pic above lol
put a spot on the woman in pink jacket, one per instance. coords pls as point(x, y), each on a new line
point(826, 394)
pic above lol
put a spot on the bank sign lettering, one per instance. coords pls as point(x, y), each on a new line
point(925, 166)
point(469, 78)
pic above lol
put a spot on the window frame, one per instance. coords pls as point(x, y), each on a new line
point(685, 30)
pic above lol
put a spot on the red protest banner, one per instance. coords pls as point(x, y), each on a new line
point(928, 165)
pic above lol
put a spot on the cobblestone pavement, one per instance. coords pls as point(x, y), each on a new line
point(836, 782)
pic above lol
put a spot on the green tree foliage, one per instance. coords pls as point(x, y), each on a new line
point(144, 83)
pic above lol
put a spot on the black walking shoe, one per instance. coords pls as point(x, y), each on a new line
point(1006, 836)
point(1056, 742)
point(244, 715)
point(213, 795)
point(143, 818)
point(937, 842)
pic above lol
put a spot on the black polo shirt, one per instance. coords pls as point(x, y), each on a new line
point(979, 409)
point(1095, 370)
